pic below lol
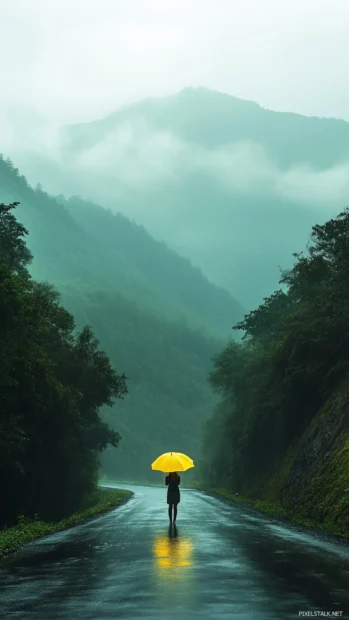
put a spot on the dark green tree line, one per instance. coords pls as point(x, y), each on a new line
point(294, 353)
point(148, 307)
point(53, 382)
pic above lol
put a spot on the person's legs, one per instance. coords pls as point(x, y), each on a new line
point(170, 512)
point(175, 512)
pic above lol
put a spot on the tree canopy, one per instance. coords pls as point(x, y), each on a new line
point(293, 356)
point(53, 382)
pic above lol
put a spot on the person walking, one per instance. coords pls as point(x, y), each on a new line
point(173, 481)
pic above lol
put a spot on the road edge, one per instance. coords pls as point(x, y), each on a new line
point(278, 515)
point(14, 537)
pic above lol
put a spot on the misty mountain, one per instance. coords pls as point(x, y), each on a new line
point(212, 119)
point(79, 243)
point(226, 183)
point(166, 365)
point(157, 317)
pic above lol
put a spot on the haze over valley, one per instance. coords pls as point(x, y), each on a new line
point(231, 186)
point(174, 260)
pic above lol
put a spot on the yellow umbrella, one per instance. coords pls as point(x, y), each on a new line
point(172, 461)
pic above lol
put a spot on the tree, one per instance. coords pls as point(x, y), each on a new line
point(53, 382)
point(14, 253)
point(294, 354)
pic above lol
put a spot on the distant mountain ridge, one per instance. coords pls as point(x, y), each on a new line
point(213, 118)
point(244, 189)
point(158, 268)
point(77, 242)
point(224, 182)
point(157, 317)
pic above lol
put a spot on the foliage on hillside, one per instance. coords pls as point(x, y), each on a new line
point(79, 243)
point(53, 382)
point(140, 300)
point(293, 359)
point(157, 270)
point(166, 364)
point(241, 194)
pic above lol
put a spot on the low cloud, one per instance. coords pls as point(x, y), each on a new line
point(134, 154)
point(304, 185)
point(136, 158)
point(140, 157)
point(232, 210)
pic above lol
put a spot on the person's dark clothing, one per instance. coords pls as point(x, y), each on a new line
point(174, 506)
point(173, 493)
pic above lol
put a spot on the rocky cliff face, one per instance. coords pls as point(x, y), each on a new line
point(311, 485)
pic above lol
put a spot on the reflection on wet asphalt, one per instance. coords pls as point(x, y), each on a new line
point(221, 561)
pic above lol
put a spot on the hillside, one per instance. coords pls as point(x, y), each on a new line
point(143, 303)
point(224, 182)
point(79, 243)
point(53, 382)
point(166, 365)
point(280, 434)
point(167, 280)
point(312, 485)
point(212, 119)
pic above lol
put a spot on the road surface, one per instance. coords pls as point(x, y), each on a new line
point(221, 561)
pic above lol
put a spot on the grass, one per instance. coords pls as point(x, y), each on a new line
point(12, 538)
point(321, 502)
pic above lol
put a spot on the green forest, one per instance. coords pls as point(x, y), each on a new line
point(114, 349)
point(53, 383)
point(158, 319)
point(241, 195)
point(281, 426)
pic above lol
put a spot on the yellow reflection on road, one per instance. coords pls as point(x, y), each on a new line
point(173, 555)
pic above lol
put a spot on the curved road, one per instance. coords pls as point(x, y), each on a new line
point(221, 561)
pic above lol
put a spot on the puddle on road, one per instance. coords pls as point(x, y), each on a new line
point(174, 576)
point(172, 554)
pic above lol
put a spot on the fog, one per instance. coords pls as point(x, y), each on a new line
point(137, 155)
point(80, 60)
point(219, 207)
point(200, 121)
point(77, 62)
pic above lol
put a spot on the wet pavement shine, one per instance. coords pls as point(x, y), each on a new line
point(220, 561)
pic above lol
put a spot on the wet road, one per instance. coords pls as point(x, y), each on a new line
point(220, 562)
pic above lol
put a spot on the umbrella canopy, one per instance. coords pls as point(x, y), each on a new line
point(172, 461)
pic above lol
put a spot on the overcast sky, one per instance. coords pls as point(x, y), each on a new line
point(75, 60)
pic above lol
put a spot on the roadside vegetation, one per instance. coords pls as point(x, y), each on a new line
point(279, 435)
point(53, 382)
point(29, 529)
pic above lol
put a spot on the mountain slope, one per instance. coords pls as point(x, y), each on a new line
point(224, 182)
point(154, 264)
point(166, 365)
point(233, 186)
point(280, 435)
point(76, 242)
point(137, 296)
point(212, 119)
